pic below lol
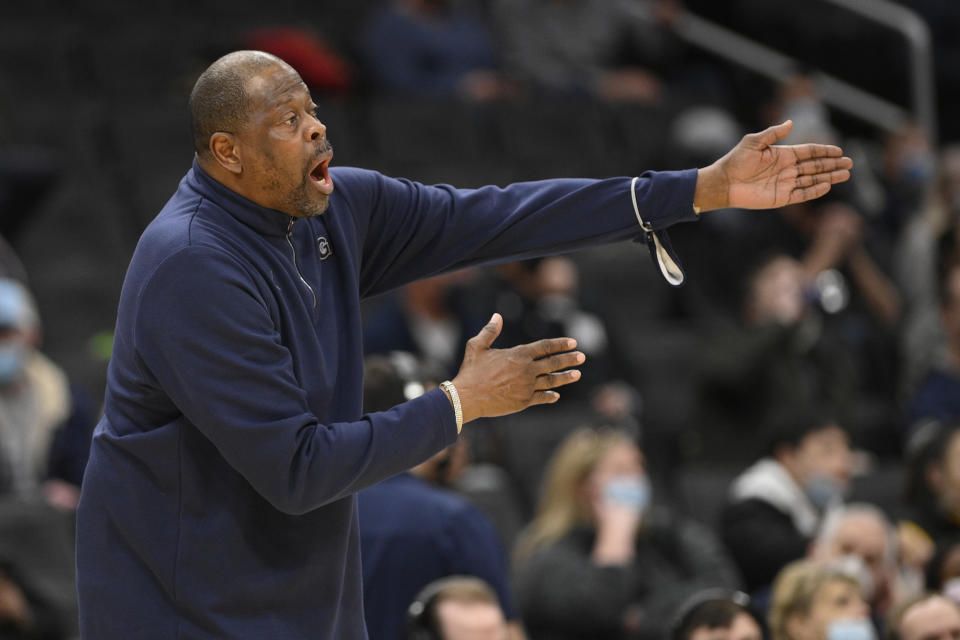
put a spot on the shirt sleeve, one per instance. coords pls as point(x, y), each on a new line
point(413, 231)
point(205, 335)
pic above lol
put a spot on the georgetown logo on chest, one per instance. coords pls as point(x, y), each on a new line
point(325, 248)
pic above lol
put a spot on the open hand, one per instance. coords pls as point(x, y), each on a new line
point(496, 382)
point(757, 174)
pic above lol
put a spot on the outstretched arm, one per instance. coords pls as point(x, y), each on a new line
point(758, 174)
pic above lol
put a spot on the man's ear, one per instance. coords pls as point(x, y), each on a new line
point(226, 151)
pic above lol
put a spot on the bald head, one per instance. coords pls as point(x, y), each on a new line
point(932, 617)
point(220, 100)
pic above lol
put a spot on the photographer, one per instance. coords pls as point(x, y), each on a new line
point(779, 356)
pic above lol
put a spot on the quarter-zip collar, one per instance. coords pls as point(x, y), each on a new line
point(266, 221)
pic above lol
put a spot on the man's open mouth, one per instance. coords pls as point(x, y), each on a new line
point(321, 175)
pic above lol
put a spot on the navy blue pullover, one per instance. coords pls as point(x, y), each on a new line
point(218, 501)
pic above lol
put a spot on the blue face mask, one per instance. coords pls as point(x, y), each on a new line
point(822, 490)
point(13, 355)
point(628, 491)
point(851, 629)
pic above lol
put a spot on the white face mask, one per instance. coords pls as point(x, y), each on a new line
point(854, 566)
point(851, 629)
point(628, 491)
point(952, 589)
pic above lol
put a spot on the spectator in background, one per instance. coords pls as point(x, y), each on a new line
point(938, 396)
point(434, 48)
point(456, 608)
point(430, 318)
point(539, 297)
point(858, 538)
point(927, 247)
point(598, 560)
point(776, 506)
point(571, 46)
point(925, 617)
point(413, 532)
point(859, 304)
point(943, 568)
point(814, 602)
point(44, 431)
point(716, 614)
point(932, 487)
point(777, 357)
point(44, 441)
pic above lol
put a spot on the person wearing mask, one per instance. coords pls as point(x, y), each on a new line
point(776, 505)
point(44, 440)
point(44, 426)
point(598, 560)
point(859, 538)
point(814, 602)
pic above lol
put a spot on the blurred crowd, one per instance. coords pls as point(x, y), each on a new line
point(771, 451)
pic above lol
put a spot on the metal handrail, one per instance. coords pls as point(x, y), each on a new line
point(836, 92)
point(917, 34)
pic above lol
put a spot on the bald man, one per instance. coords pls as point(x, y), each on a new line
point(926, 617)
point(219, 500)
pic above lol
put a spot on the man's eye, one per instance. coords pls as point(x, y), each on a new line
point(292, 119)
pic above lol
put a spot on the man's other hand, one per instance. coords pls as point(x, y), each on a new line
point(496, 382)
point(757, 174)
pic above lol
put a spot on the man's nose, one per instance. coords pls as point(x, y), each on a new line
point(316, 130)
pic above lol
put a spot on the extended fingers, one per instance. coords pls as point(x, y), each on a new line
point(554, 380)
point(807, 151)
point(544, 397)
point(832, 177)
point(558, 362)
point(802, 194)
point(824, 165)
point(543, 348)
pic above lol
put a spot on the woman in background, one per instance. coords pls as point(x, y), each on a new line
point(598, 560)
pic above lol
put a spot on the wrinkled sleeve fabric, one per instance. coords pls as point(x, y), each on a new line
point(413, 231)
point(206, 336)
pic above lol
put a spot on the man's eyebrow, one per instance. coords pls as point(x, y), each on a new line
point(289, 96)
